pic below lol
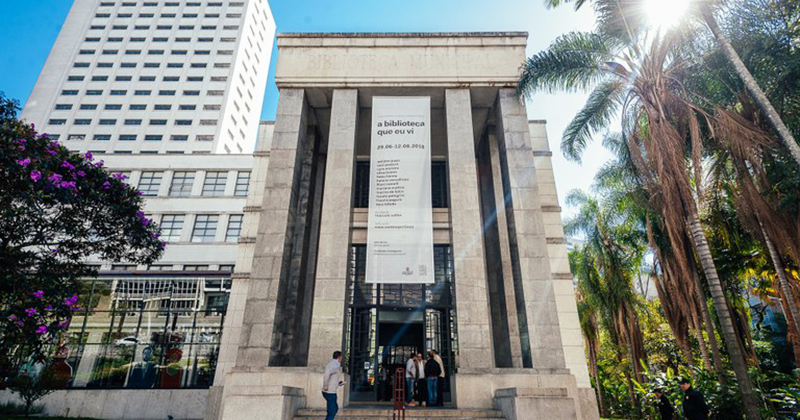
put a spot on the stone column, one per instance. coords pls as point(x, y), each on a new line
point(472, 301)
point(275, 230)
point(508, 277)
point(330, 288)
point(526, 232)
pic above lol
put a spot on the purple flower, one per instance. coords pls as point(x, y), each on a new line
point(21, 148)
point(12, 318)
point(70, 184)
point(55, 178)
point(31, 312)
point(81, 174)
point(39, 294)
point(139, 192)
point(139, 214)
point(20, 323)
point(52, 152)
point(67, 165)
point(21, 140)
point(99, 164)
point(120, 176)
point(54, 250)
point(63, 324)
point(41, 330)
point(106, 185)
point(155, 235)
point(36, 176)
point(89, 156)
point(24, 162)
point(71, 301)
point(48, 308)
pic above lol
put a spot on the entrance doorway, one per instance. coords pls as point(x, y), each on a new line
point(388, 323)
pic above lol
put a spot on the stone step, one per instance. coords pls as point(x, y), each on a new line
point(411, 413)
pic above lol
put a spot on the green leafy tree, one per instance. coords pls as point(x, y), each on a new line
point(57, 208)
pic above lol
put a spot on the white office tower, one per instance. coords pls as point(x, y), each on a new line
point(156, 76)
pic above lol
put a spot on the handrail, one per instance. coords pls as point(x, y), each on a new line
point(399, 393)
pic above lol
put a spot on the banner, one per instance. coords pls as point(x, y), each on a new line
point(400, 227)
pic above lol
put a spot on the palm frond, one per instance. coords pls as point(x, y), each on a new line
point(600, 108)
point(574, 61)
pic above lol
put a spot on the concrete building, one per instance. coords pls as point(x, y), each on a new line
point(156, 76)
point(501, 311)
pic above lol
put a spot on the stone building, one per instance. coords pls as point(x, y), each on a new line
point(501, 310)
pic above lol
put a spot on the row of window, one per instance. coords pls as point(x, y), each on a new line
point(170, 15)
point(129, 65)
point(170, 4)
point(204, 229)
point(154, 52)
point(107, 121)
point(138, 107)
point(80, 78)
point(159, 39)
point(134, 137)
point(171, 267)
point(164, 27)
point(183, 181)
point(140, 92)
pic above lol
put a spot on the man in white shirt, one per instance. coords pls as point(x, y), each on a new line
point(331, 381)
point(414, 372)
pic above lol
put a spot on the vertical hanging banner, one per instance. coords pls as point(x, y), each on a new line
point(400, 227)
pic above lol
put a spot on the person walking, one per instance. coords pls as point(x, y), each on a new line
point(694, 405)
point(432, 371)
point(665, 408)
point(440, 383)
point(331, 381)
point(413, 372)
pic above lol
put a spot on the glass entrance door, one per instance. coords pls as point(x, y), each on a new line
point(388, 323)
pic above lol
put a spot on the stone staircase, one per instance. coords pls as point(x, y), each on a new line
point(412, 413)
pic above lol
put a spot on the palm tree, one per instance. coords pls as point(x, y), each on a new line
point(638, 75)
point(750, 83)
point(604, 267)
point(705, 10)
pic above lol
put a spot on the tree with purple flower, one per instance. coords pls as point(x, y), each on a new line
point(58, 209)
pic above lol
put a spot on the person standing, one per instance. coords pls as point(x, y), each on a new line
point(331, 381)
point(664, 405)
point(421, 392)
point(440, 383)
point(413, 371)
point(432, 371)
point(694, 405)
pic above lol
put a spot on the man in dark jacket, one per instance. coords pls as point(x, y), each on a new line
point(432, 372)
point(694, 405)
point(664, 405)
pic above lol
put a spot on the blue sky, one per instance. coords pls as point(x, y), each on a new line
point(29, 29)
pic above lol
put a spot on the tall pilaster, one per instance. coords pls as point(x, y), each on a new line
point(275, 230)
point(330, 288)
point(474, 322)
point(529, 255)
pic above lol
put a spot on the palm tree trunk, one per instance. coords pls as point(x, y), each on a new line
point(709, 324)
point(750, 83)
point(749, 399)
point(701, 341)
